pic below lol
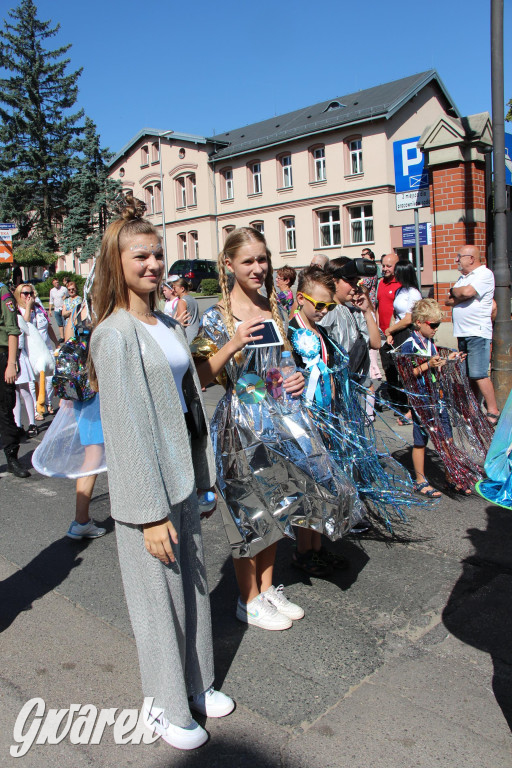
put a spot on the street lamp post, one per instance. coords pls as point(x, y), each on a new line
point(501, 365)
point(162, 198)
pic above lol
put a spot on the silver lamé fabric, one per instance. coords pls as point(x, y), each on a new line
point(273, 470)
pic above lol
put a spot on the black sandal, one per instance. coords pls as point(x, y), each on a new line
point(310, 563)
point(332, 559)
point(493, 418)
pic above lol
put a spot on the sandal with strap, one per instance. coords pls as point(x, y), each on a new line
point(432, 494)
point(332, 559)
point(310, 563)
point(458, 489)
point(493, 418)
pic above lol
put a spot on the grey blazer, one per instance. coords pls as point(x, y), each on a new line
point(151, 461)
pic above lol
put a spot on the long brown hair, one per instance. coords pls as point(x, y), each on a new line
point(110, 291)
point(235, 240)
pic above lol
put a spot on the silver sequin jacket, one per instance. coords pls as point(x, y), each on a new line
point(151, 462)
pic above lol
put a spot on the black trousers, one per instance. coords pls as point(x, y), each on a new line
point(9, 436)
point(396, 397)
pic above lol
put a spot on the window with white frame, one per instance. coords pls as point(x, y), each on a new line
point(361, 224)
point(319, 164)
point(259, 225)
point(286, 166)
point(182, 246)
point(181, 192)
point(194, 245)
point(153, 198)
point(192, 188)
point(289, 239)
point(144, 155)
point(356, 156)
point(229, 191)
point(329, 228)
point(256, 178)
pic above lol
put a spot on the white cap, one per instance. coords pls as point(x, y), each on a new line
point(173, 278)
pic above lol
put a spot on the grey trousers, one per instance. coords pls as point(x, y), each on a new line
point(169, 608)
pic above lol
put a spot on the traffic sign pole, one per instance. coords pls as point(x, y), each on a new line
point(417, 244)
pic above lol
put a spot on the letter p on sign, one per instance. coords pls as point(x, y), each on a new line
point(411, 155)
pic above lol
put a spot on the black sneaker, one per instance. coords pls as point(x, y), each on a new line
point(363, 526)
point(32, 431)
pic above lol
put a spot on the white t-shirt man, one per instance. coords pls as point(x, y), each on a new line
point(57, 296)
point(473, 316)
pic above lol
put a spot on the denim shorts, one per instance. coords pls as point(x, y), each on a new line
point(58, 318)
point(420, 434)
point(478, 355)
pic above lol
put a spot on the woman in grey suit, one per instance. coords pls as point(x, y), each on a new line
point(158, 455)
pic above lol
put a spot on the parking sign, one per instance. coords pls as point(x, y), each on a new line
point(411, 177)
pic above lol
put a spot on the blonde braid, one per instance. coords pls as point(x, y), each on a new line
point(274, 307)
point(226, 298)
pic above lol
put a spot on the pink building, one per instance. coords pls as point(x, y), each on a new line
point(319, 179)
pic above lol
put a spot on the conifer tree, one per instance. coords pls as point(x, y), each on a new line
point(91, 199)
point(38, 130)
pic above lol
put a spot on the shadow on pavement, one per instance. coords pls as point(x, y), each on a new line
point(227, 630)
point(479, 609)
point(43, 574)
point(221, 752)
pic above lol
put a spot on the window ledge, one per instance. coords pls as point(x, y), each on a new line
point(358, 245)
point(285, 189)
point(146, 165)
point(318, 183)
point(326, 247)
point(193, 206)
point(181, 208)
point(288, 253)
point(254, 194)
point(227, 199)
point(354, 175)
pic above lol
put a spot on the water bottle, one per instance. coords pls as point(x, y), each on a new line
point(207, 501)
point(287, 369)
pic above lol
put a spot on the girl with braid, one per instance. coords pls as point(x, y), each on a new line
point(272, 468)
point(228, 327)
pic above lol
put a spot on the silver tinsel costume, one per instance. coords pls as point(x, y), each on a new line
point(273, 469)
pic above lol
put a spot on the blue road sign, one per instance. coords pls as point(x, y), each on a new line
point(410, 174)
point(508, 158)
point(409, 236)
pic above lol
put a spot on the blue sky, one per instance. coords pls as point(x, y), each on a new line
point(201, 67)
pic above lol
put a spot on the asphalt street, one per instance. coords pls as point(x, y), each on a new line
point(403, 660)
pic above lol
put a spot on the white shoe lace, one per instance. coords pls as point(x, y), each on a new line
point(265, 606)
point(277, 597)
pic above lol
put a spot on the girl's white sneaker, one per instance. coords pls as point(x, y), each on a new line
point(190, 737)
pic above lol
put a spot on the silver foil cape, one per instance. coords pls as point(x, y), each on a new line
point(273, 470)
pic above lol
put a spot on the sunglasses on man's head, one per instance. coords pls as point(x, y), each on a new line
point(432, 325)
point(319, 305)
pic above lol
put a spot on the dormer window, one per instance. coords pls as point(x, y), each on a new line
point(334, 105)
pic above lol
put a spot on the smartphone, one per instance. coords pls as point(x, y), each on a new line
point(270, 334)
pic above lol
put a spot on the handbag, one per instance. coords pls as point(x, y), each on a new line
point(40, 357)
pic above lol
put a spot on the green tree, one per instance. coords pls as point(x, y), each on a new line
point(509, 113)
point(38, 130)
point(91, 199)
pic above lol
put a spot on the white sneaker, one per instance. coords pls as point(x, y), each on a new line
point(191, 737)
point(212, 703)
point(260, 613)
point(276, 596)
point(88, 530)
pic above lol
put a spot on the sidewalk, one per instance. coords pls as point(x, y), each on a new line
point(404, 660)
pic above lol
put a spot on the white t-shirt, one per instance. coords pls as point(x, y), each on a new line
point(473, 316)
point(57, 296)
point(175, 353)
point(405, 299)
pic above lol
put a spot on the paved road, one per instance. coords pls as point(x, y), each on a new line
point(405, 660)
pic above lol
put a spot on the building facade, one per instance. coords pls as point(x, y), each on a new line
point(320, 179)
